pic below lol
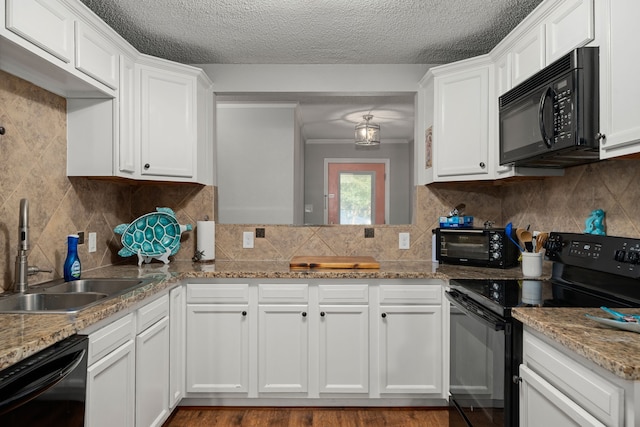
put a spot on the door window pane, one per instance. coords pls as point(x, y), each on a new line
point(357, 198)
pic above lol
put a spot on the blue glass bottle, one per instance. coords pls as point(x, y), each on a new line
point(72, 263)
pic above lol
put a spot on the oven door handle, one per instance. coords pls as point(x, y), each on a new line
point(478, 312)
point(33, 384)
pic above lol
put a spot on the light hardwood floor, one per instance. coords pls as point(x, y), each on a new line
point(308, 417)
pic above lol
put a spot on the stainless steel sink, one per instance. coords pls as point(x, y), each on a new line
point(48, 302)
point(100, 285)
point(58, 296)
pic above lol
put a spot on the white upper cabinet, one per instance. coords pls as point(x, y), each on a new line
point(96, 55)
point(460, 126)
point(527, 55)
point(619, 86)
point(46, 23)
point(568, 26)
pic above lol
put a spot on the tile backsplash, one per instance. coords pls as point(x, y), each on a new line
point(33, 166)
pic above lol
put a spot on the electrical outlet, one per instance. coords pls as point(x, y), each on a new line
point(92, 242)
point(247, 239)
point(260, 233)
point(404, 240)
point(80, 237)
point(368, 233)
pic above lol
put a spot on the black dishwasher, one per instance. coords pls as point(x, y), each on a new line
point(47, 388)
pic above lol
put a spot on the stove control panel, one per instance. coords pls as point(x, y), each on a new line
point(617, 255)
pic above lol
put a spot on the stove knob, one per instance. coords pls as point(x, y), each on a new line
point(495, 295)
point(619, 256)
point(495, 255)
point(495, 246)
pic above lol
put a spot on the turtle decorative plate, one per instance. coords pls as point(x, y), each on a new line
point(153, 235)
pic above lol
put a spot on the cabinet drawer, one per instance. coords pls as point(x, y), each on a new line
point(221, 293)
point(152, 312)
point(410, 294)
point(335, 294)
point(601, 398)
point(107, 339)
point(283, 293)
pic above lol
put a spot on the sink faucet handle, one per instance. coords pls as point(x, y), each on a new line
point(35, 270)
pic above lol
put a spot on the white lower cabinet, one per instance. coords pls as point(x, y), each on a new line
point(283, 348)
point(177, 340)
point(256, 341)
point(410, 339)
point(152, 363)
point(557, 388)
point(343, 355)
point(111, 375)
point(217, 348)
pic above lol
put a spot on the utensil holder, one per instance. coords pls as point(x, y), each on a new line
point(531, 264)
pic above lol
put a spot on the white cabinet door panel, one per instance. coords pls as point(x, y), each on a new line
point(410, 350)
point(46, 23)
point(569, 27)
point(461, 126)
point(152, 375)
point(283, 361)
point(528, 55)
point(111, 389)
point(96, 56)
point(344, 349)
point(217, 348)
point(167, 123)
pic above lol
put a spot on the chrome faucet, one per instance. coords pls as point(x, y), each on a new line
point(22, 263)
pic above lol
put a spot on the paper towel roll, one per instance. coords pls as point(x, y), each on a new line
point(206, 239)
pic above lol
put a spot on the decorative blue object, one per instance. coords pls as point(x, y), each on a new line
point(595, 223)
point(153, 235)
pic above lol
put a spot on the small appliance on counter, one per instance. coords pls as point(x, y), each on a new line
point(480, 247)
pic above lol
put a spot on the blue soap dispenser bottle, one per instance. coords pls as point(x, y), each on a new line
point(72, 263)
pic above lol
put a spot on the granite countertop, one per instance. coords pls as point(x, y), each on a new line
point(24, 334)
point(615, 350)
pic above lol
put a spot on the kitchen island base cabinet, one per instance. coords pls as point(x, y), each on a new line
point(558, 387)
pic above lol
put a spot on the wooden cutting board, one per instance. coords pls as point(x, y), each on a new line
point(333, 262)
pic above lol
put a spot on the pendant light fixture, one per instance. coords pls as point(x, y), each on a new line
point(367, 133)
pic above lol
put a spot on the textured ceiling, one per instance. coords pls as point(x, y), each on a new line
point(318, 32)
point(313, 31)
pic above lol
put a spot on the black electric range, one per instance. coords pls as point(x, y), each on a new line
point(588, 271)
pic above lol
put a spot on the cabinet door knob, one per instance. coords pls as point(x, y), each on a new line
point(482, 165)
point(384, 315)
point(304, 314)
point(322, 313)
point(516, 379)
point(147, 166)
point(244, 313)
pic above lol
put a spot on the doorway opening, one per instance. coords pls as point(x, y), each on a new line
point(355, 191)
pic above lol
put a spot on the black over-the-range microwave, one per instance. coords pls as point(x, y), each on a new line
point(551, 120)
point(482, 247)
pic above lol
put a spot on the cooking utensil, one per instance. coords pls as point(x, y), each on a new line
point(509, 232)
point(541, 239)
point(621, 317)
point(526, 238)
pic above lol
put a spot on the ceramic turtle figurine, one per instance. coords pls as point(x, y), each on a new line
point(153, 235)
